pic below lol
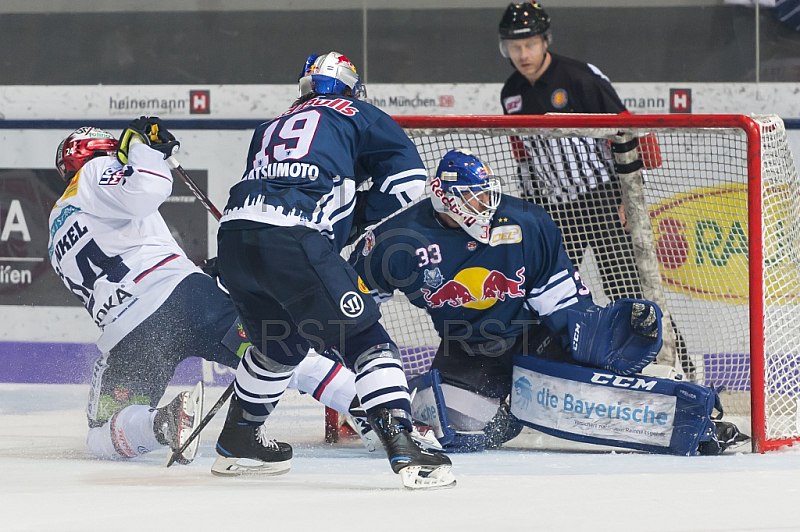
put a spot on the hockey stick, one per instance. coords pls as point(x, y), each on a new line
point(173, 162)
point(173, 455)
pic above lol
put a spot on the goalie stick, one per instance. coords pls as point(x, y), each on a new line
point(173, 455)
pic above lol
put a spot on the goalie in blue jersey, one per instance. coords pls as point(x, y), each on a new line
point(492, 273)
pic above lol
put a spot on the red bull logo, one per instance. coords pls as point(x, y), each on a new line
point(476, 288)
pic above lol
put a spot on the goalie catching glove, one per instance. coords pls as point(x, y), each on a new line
point(148, 130)
point(622, 337)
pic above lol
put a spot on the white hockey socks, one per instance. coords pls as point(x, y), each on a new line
point(382, 381)
point(128, 434)
point(325, 380)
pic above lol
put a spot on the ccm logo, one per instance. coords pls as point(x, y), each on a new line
point(633, 383)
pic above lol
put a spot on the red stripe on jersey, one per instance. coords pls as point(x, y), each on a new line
point(163, 262)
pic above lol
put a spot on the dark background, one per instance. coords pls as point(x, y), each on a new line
point(630, 44)
point(37, 192)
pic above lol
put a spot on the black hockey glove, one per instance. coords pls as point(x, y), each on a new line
point(149, 130)
point(209, 267)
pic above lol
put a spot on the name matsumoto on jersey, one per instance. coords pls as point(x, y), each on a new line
point(110, 245)
point(475, 291)
point(297, 174)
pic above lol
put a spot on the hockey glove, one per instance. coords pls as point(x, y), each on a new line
point(622, 337)
point(150, 131)
point(209, 267)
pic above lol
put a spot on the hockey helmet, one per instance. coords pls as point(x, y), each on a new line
point(330, 73)
point(83, 145)
point(524, 20)
point(466, 190)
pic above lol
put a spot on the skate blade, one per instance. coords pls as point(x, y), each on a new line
point(423, 478)
point(193, 405)
point(234, 467)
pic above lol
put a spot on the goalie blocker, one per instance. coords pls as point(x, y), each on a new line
point(635, 412)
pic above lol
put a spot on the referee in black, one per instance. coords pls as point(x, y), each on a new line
point(572, 178)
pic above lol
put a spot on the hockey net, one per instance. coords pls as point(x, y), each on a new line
point(713, 221)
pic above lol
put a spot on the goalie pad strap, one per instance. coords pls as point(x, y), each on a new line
point(595, 406)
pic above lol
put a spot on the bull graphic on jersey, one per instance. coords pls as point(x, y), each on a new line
point(476, 288)
point(523, 393)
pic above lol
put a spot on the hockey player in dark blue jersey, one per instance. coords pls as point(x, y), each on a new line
point(492, 273)
point(279, 241)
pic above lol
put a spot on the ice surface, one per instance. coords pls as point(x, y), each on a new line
point(50, 482)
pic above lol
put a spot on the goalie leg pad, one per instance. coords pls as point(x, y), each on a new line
point(622, 337)
point(594, 406)
point(457, 416)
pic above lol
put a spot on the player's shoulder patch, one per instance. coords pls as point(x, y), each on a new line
point(513, 104)
point(114, 176)
point(505, 234)
point(72, 188)
point(369, 243)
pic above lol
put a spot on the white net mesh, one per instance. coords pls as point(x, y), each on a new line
point(696, 192)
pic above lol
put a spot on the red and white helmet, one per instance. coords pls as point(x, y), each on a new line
point(83, 145)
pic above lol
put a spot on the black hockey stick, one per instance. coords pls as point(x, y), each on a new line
point(173, 455)
point(173, 162)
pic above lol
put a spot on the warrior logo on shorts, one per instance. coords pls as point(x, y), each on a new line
point(351, 304)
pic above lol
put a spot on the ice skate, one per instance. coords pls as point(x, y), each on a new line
point(418, 469)
point(726, 436)
point(176, 421)
point(244, 449)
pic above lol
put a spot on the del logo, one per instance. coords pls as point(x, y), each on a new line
point(701, 243)
point(476, 288)
point(200, 102)
point(506, 234)
point(680, 100)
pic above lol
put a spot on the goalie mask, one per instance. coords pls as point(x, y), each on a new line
point(330, 73)
point(83, 145)
point(466, 190)
point(521, 21)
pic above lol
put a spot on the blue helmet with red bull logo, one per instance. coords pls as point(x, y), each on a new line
point(330, 73)
point(466, 190)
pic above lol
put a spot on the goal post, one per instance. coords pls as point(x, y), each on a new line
point(713, 235)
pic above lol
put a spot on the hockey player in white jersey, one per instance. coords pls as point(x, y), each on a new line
point(113, 250)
